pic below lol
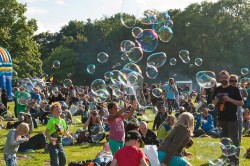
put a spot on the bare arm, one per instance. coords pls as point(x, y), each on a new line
point(116, 115)
point(133, 108)
point(143, 162)
point(114, 162)
point(235, 102)
point(244, 93)
point(87, 122)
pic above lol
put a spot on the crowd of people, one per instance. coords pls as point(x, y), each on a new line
point(221, 111)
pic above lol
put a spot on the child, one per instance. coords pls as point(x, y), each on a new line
point(166, 127)
point(131, 154)
point(14, 139)
point(170, 151)
point(246, 121)
point(55, 129)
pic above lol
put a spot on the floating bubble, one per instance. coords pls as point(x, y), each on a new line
point(135, 54)
point(222, 160)
point(118, 64)
point(24, 98)
point(244, 71)
point(157, 92)
point(126, 45)
point(184, 55)
point(157, 59)
point(149, 113)
point(56, 64)
point(137, 32)
point(211, 107)
point(6, 115)
point(165, 34)
point(123, 76)
point(226, 141)
point(115, 77)
point(67, 83)
point(133, 67)
point(98, 84)
point(203, 154)
point(107, 75)
point(14, 73)
point(128, 14)
point(69, 74)
point(91, 69)
point(219, 129)
point(101, 96)
point(117, 92)
point(191, 65)
point(229, 150)
point(124, 56)
point(241, 152)
point(198, 61)
point(148, 40)
point(206, 79)
point(102, 57)
point(149, 16)
point(169, 23)
point(151, 72)
point(135, 79)
point(187, 24)
point(172, 61)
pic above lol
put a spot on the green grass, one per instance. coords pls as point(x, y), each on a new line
point(88, 152)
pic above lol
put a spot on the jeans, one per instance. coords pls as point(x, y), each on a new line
point(10, 159)
point(230, 130)
point(213, 133)
point(57, 156)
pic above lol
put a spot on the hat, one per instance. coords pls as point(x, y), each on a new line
point(134, 135)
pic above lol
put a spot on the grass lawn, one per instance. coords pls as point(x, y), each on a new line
point(88, 152)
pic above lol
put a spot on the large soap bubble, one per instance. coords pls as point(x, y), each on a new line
point(206, 79)
point(91, 69)
point(148, 40)
point(102, 57)
point(124, 73)
point(24, 98)
point(98, 84)
point(157, 59)
point(165, 34)
point(133, 67)
point(184, 55)
point(149, 113)
point(135, 54)
point(157, 92)
point(137, 32)
point(151, 72)
point(129, 12)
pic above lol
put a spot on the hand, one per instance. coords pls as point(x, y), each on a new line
point(26, 139)
point(53, 141)
point(226, 98)
point(216, 99)
point(188, 155)
point(163, 164)
point(127, 104)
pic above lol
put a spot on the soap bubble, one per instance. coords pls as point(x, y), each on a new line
point(206, 79)
point(151, 72)
point(149, 113)
point(126, 45)
point(198, 61)
point(135, 54)
point(184, 55)
point(98, 84)
point(244, 71)
point(172, 61)
point(148, 40)
point(165, 34)
point(56, 64)
point(91, 69)
point(133, 67)
point(137, 32)
point(102, 57)
point(124, 56)
point(128, 14)
point(157, 92)
point(157, 59)
point(67, 83)
point(24, 98)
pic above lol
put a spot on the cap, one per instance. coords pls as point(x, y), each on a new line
point(134, 135)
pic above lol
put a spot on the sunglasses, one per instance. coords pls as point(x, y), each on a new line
point(233, 80)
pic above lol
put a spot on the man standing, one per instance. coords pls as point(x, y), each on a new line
point(227, 98)
point(171, 90)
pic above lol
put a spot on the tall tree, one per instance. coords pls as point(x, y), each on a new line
point(16, 36)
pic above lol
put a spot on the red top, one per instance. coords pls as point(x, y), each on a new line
point(129, 155)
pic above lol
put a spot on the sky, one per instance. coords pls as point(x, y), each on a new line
point(51, 15)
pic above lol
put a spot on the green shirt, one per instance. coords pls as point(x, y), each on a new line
point(56, 128)
point(163, 131)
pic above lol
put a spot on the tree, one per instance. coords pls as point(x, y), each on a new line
point(16, 36)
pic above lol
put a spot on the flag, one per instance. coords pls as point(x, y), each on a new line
point(51, 79)
point(44, 79)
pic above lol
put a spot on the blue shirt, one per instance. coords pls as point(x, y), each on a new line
point(170, 92)
point(205, 124)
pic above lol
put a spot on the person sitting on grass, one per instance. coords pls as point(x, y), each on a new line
point(14, 139)
point(166, 127)
point(246, 122)
point(131, 154)
point(55, 129)
point(206, 122)
point(171, 150)
point(148, 136)
point(115, 121)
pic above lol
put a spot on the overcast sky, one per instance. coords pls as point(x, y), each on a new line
point(51, 15)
